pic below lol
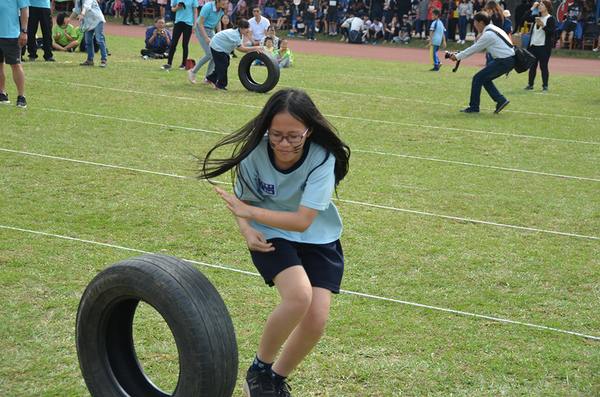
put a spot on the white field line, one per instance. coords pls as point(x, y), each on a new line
point(432, 127)
point(382, 298)
point(456, 218)
point(355, 150)
point(475, 165)
point(445, 104)
point(345, 201)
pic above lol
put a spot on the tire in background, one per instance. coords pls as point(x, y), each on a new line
point(191, 307)
point(244, 72)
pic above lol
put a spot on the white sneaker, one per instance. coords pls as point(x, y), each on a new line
point(207, 82)
point(191, 76)
point(595, 49)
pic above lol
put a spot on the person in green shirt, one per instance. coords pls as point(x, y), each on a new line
point(284, 56)
point(64, 35)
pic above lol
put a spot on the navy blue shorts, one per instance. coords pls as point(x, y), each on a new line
point(323, 263)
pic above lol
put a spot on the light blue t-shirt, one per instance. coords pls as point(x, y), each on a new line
point(39, 3)
point(437, 27)
point(185, 14)
point(210, 14)
point(10, 26)
point(226, 40)
point(310, 183)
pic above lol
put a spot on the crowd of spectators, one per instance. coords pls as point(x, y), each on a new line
point(383, 20)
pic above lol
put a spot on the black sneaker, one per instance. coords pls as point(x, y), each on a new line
point(260, 384)
point(469, 110)
point(21, 102)
point(500, 106)
point(282, 388)
point(4, 98)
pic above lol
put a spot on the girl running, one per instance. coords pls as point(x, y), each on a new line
point(288, 161)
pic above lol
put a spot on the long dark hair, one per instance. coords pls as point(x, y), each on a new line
point(495, 12)
point(298, 104)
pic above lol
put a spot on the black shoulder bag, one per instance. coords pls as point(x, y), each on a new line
point(524, 59)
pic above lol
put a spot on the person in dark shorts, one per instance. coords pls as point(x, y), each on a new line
point(12, 38)
point(288, 161)
point(332, 14)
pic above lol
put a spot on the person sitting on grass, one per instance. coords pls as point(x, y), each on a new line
point(299, 27)
point(158, 40)
point(284, 57)
point(64, 34)
point(271, 33)
point(391, 30)
point(221, 46)
point(404, 35)
point(268, 47)
point(375, 30)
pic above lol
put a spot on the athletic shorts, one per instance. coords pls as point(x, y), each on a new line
point(332, 15)
point(10, 51)
point(323, 263)
point(569, 26)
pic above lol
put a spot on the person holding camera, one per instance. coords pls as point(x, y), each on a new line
point(502, 62)
point(186, 12)
point(158, 40)
point(541, 42)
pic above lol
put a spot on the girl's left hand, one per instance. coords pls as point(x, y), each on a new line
point(235, 205)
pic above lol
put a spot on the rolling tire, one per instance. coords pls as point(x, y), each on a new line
point(191, 307)
point(244, 72)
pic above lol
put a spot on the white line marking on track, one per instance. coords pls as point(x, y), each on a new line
point(531, 229)
point(475, 165)
point(341, 200)
point(458, 312)
point(356, 150)
point(338, 116)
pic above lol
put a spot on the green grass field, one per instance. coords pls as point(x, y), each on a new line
point(472, 242)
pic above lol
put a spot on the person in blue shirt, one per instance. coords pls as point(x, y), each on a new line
point(12, 38)
point(158, 40)
point(436, 38)
point(91, 21)
point(207, 23)
point(221, 45)
point(186, 13)
point(39, 14)
point(288, 161)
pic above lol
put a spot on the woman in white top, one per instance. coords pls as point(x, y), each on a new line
point(541, 41)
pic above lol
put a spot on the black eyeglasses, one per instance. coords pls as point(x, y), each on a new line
point(276, 138)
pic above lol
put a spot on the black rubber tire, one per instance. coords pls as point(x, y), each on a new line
point(244, 72)
point(191, 307)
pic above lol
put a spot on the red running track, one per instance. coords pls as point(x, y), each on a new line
point(559, 65)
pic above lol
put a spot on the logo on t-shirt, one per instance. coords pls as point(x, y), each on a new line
point(268, 188)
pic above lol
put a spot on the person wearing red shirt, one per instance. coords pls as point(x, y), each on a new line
point(433, 4)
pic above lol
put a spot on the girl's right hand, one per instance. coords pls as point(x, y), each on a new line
point(256, 241)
